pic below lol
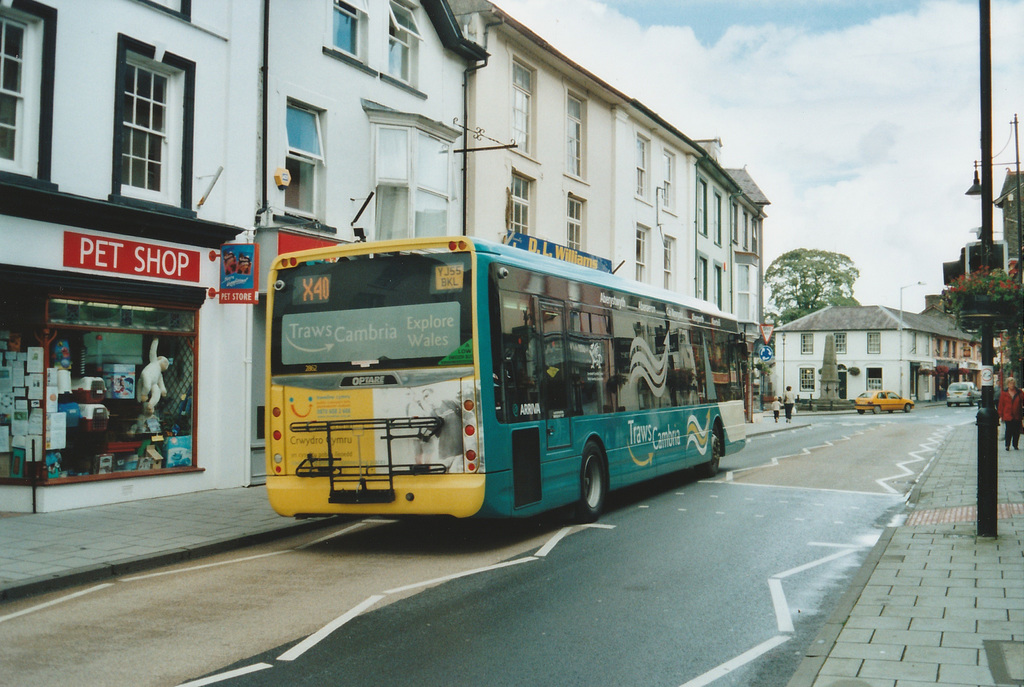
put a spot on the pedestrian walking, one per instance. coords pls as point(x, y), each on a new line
point(787, 403)
point(776, 407)
point(1011, 412)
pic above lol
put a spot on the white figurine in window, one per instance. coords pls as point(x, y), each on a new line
point(151, 380)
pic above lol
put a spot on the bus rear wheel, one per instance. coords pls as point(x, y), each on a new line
point(593, 484)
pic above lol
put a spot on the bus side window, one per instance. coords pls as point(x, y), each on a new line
point(553, 371)
point(518, 376)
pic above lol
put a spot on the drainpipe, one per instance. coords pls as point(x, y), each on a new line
point(265, 75)
point(465, 122)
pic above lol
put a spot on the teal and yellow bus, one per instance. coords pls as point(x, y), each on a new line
point(465, 377)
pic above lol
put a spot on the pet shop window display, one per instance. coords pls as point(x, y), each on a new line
point(104, 390)
point(164, 417)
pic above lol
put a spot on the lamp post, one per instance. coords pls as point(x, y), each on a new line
point(919, 283)
point(988, 466)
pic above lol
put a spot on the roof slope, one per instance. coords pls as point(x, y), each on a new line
point(748, 186)
point(875, 318)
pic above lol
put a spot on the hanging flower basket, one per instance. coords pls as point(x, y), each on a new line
point(984, 297)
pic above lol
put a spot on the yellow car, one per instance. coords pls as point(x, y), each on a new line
point(877, 401)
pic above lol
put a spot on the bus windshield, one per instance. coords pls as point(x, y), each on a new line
point(376, 311)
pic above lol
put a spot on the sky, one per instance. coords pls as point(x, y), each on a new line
point(859, 119)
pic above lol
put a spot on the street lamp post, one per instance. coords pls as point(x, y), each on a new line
point(988, 422)
point(919, 283)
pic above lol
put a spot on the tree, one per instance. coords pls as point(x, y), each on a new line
point(805, 280)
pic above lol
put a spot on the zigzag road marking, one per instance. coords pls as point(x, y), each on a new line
point(930, 446)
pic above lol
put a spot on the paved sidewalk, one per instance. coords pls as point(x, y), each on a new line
point(934, 603)
point(45, 551)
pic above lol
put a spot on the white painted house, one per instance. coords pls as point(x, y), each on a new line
point(876, 348)
point(592, 168)
point(121, 174)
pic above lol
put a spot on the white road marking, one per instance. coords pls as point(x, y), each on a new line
point(815, 563)
point(54, 602)
point(455, 576)
point(338, 533)
point(321, 634)
point(931, 446)
point(558, 536)
point(783, 617)
point(738, 662)
point(135, 578)
point(213, 679)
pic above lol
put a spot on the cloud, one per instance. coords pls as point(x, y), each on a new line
point(862, 135)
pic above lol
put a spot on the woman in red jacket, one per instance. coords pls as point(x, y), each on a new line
point(1011, 409)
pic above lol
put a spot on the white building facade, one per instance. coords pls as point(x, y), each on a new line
point(873, 351)
point(121, 177)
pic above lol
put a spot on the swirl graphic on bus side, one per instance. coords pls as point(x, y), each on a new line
point(698, 435)
point(644, 364)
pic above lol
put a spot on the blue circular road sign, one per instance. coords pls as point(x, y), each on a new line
point(766, 354)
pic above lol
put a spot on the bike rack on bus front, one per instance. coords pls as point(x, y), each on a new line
point(368, 480)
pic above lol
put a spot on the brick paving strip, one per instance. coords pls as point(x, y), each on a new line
point(961, 514)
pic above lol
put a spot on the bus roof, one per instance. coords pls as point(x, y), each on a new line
point(587, 275)
point(526, 259)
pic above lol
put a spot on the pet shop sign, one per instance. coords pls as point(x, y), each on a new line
point(238, 269)
point(124, 256)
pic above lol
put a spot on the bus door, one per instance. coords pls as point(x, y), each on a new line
point(554, 373)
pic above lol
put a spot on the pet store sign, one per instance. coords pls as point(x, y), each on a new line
point(123, 256)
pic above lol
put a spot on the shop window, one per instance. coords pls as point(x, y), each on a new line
point(874, 378)
point(96, 389)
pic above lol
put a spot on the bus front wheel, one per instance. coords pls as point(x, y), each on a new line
point(593, 484)
point(710, 468)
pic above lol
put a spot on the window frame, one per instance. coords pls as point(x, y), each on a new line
point(874, 343)
point(806, 344)
point(522, 106)
point(574, 133)
point(873, 382)
point(701, 277)
point(409, 37)
point(182, 87)
point(719, 284)
point(805, 374)
point(574, 222)
point(668, 261)
point(643, 163)
point(840, 347)
point(413, 180)
point(519, 215)
point(358, 14)
point(743, 272)
point(316, 160)
point(33, 128)
point(642, 253)
point(718, 218)
point(702, 207)
point(668, 191)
